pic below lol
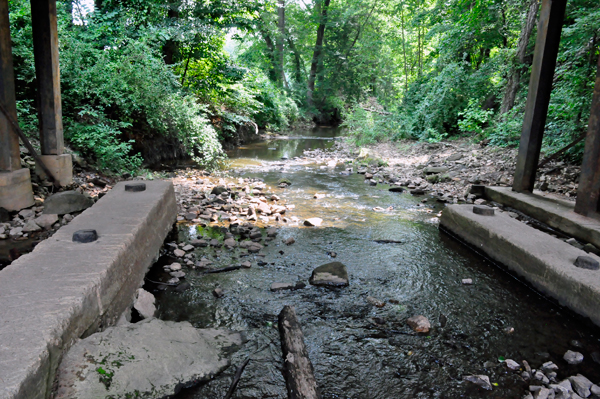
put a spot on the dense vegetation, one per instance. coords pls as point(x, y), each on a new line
point(154, 80)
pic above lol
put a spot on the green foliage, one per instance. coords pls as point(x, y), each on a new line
point(474, 118)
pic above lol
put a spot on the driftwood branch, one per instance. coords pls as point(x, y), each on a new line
point(297, 368)
point(562, 150)
point(223, 269)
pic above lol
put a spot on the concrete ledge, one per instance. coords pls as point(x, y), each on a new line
point(556, 213)
point(544, 261)
point(60, 166)
point(65, 290)
point(15, 190)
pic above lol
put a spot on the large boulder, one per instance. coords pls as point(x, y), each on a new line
point(330, 274)
point(67, 202)
point(149, 359)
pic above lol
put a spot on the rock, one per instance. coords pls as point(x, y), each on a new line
point(573, 357)
point(282, 286)
point(263, 208)
point(144, 303)
point(539, 376)
point(66, 202)
point(68, 218)
point(481, 380)
point(316, 222)
point(511, 364)
point(368, 176)
point(589, 248)
point(289, 241)
point(27, 213)
point(417, 191)
point(581, 385)
point(199, 242)
point(375, 302)
point(175, 266)
point(151, 359)
point(567, 385)
point(595, 389)
point(419, 324)
point(318, 196)
point(434, 170)
point(214, 243)
point(541, 393)
point(218, 190)
point(179, 253)
point(188, 248)
point(178, 274)
point(467, 281)
point(218, 293)
point(272, 232)
point(31, 226)
point(330, 274)
point(230, 243)
point(454, 157)
point(46, 221)
point(560, 392)
point(246, 265)
point(183, 287)
point(549, 366)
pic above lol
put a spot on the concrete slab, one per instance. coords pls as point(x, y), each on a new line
point(556, 213)
point(544, 261)
point(15, 190)
point(64, 290)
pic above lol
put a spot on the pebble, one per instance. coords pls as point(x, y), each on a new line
point(573, 357)
point(581, 385)
point(467, 281)
point(375, 302)
point(246, 265)
point(511, 364)
point(188, 248)
point(282, 286)
point(218, 292)
point(316, 222)
point(481, 380)
point(419, 324)
point(179, 253)
point(175, 266)
point(289, 241)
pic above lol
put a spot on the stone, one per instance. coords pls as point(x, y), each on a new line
point(282, 286)
point(331, 274)
point(246, 265)
point(31, 226)
point(560, 392)
point(179, 253)
point(27, 213)
point(454, 157)
point(254, 247)
point(175, 266)
point(66, 202)
point(68, 217)
point(573, 357)
point(483, 210)
point(188, 248)
point(589, 248)
point(214, 243)
point(511, 364)
point(417, 191)
point(144, 303)
point(541, 393)
point(218, 293)
point(178, 274)
point(230, 243)
point(316, 222)
point(419, 323)
point(549, 366)
point(581, 385)
point(218, 190)
point(435, 170)
point(289, 241)
point(263, 208)
point(587, 262)
point(152, 359)
point(480, 380)
point(199, 242)
point(46, 220)
point(595, 389)
point(567, 385)
point(467, 281)
point(539, 376)
point(183, 287)
point(375, 302)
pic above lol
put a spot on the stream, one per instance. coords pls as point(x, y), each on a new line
point(359, 350)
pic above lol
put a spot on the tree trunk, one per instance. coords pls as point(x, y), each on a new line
point(317, 53)
point(170, 47)
point(514, 78)
point(300, 73)
point(280, 39)
point(297, 368)
point(404, 48)
point(273, 75)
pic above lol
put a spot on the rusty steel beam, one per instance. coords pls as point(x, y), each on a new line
point(45, 51)
point(588, 193)
point(9, 143)
point(540, 86)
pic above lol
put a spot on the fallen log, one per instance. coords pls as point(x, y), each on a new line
point(297, 368)
point(223, 269)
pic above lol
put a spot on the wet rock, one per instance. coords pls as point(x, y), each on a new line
point(246, 265)
point(419, 323)
point(316, 222)
point(46, 221)
point(66, 202)
point(590, 248)
point(144, 303)
point(151, 359)
point(511, 364)
point(175, 266)
point(480, 380)
point(581, 385)
point(230, 243)
point(218, 293)
point(179, 253)
point(254, 247)
point(467, 281)
point(183, 287)
point(31, 226)
point(375, 302)
point(188, 248)
point(573, 357)
point(417, 191)
point(215, 243)
point(218, 190)
point(178, 274)
point(199, 242)
point(330, 274)
point(282, 286)
point(396, 189)
point(372, 182)
point(263, 208)
point(289, 241)
point(272, 232)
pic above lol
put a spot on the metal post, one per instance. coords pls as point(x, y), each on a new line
point(45, 50)
point(588, 193)
point(9, 143)
point(540, 86)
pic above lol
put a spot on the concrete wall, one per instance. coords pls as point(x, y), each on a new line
point(544, 261)
point(65, 290)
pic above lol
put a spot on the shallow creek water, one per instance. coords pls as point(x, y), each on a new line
point(354, 356)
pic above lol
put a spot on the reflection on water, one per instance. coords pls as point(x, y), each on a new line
point(358, 350)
